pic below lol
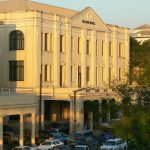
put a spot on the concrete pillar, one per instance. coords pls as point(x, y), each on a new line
point(71, 128)
point(56, 52)
point(100, 110)
point(33, 129)
point(83, 67)
point(90, 120)
point(21, 140)
point(115, 54)
point(79, 116)
point(93, 59)
point(106, 59)
point(1, 132)
point(42, 113)
point(68, 55)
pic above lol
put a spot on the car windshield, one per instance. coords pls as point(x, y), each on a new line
point(110, 143)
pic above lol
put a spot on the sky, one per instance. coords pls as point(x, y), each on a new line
point(127, 13)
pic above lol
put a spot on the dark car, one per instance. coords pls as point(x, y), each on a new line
point(106, 136)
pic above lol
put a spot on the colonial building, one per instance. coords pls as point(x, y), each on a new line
point(142, 33)
point(71, 51)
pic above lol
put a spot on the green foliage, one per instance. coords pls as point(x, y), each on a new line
point(140, 59)
point(135, 124)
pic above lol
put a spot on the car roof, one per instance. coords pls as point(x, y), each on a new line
point(21, 146)
point(115, 139)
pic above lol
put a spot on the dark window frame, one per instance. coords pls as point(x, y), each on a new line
point(16, 70)
point(16, 40)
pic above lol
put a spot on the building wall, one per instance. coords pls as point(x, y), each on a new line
point(33, 23)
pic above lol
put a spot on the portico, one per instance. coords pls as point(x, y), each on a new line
point(18, 104)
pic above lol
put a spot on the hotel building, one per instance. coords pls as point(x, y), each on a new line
point(69, 50)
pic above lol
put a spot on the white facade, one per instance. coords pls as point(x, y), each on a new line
point(75, 49)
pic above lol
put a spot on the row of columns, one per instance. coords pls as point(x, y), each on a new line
point(21, 138)
point(92, 37)
point(80, 116)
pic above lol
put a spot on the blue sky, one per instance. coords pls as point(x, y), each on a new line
point(128, 13)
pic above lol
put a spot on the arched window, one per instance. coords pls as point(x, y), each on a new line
point(16, 40)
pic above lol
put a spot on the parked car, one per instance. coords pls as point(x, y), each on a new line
point(23, 148)
point(52, 143)
point(114, 144)
point(55, 135)
point(60, 126)
point(81, 147)
point(106, 136)
point(62, 147)
point(43, 147)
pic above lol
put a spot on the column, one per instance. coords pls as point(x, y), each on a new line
point(71, 128)
point(1, 132)
point(93, 59)
point(115, 53)
point(106, 59)
point(79, 116)
point(127, 51)
point(100, 110)
point(68, 55)
point(42, 113)
point(33, 129)
point(56, 52)
point(83, 67)
point(21, 140)
point(90, 120)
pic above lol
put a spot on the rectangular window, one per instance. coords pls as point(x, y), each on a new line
point(41, 41)
point(87, 74)
point(45, 72)
point(50, 72)
point(78, 45)
point(121, 49)
point(120, 74)
point(102, 48)
point(61, 43)
point(46, 41)
point(110, 49)
point(51, 42)
point(16, 70)
point(87, 47)
point(79, 76)
point(61, 75)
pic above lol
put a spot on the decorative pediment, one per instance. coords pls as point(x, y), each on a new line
point(89, 19)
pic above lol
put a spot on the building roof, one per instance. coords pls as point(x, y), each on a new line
point(27, 5)
point(145, 26)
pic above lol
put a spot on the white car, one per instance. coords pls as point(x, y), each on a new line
point(114, 144)
point(52, 143)
point(43, 147)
